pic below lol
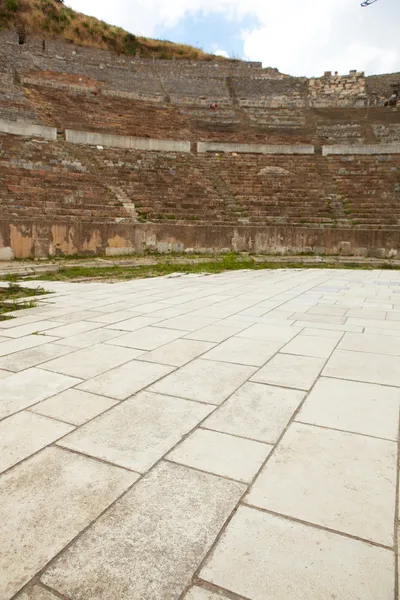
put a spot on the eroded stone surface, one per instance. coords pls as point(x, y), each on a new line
point(222, 454)
point(256, 411)
point(138, 432)
point(24, 434)
point(205, 381)
point(324, 476)
point(263, 556)
point(73, 406)
point(24, 389)
point(148, 545)
point(44, 503)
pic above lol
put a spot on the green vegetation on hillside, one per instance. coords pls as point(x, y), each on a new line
point(51, 18)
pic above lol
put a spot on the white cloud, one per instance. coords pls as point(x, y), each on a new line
point(300, 37)
point(221, 53)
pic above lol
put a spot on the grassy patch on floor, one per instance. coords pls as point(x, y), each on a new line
point(10, 299)
point(231, 262)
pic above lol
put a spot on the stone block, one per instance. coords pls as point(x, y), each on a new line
point(149, 544)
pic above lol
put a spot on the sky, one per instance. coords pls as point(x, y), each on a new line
point(299, 37)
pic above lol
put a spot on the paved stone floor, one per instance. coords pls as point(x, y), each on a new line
point(203, 437)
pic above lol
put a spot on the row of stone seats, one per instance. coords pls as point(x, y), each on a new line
point(58, 180)
point(87, 111)
point(43, 180)
point(369, 187)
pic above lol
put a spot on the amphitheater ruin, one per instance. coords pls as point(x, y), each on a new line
point(108, 154)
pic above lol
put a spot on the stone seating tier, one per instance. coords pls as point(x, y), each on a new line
point(55, 180)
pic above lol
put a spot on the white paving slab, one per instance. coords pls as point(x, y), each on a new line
point(24, 434)
point(177, 353)
point(24, 389)
point(308, 345)
point(149, 544)
point(269, 332)
point(262, 556)
point(205, 381)
point(364, 366)
point(73, 406)
point(126, 380)
point(222, 454)
point(148, 338)
point(32, 357)
point(324, 477)
point(30, 341)
point(155, 424)
point(290, 371)
point(244, 351)
point(377, 344)
point(44, 503)
point(89, 362)
point(256, 411)
point(351, 406)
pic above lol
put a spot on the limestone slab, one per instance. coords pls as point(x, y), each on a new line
point(352, 406)
point(122, 382)
point(375, 323)
point(214, 333)
point(320, 318)
point(73, 406)
point(221, 454)
point(4, 374)
point(326, 333)
point(19, 361)
point(16, 345)
point(109, 318)
point(188, 322)
point(89, 338)
point(324, 476)
point(89, 362)
point(177, 353)
point(244, 351)
point(366, 313)
point(30, 328)
point(204, 381)
point(256, 411)
point(149, 544)
point(156, 424)
point(44, 503)
point(24, 434)
point(377, 344)
point(148, 338)
point(24, 389)
point(133, 324)
point(363, 366)
point(308, 345)
point(72, 329)
point(272, 333)
point(337, 311)
point(290, 371)
point(262, 556)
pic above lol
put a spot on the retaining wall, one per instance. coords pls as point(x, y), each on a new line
point(361, 149)
point(28, 129)
point(126, 142)
point(29, 239)
point(254, 148)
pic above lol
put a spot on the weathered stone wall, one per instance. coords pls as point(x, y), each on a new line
point(32, 239)
point(338, 90)
point(184, 82)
